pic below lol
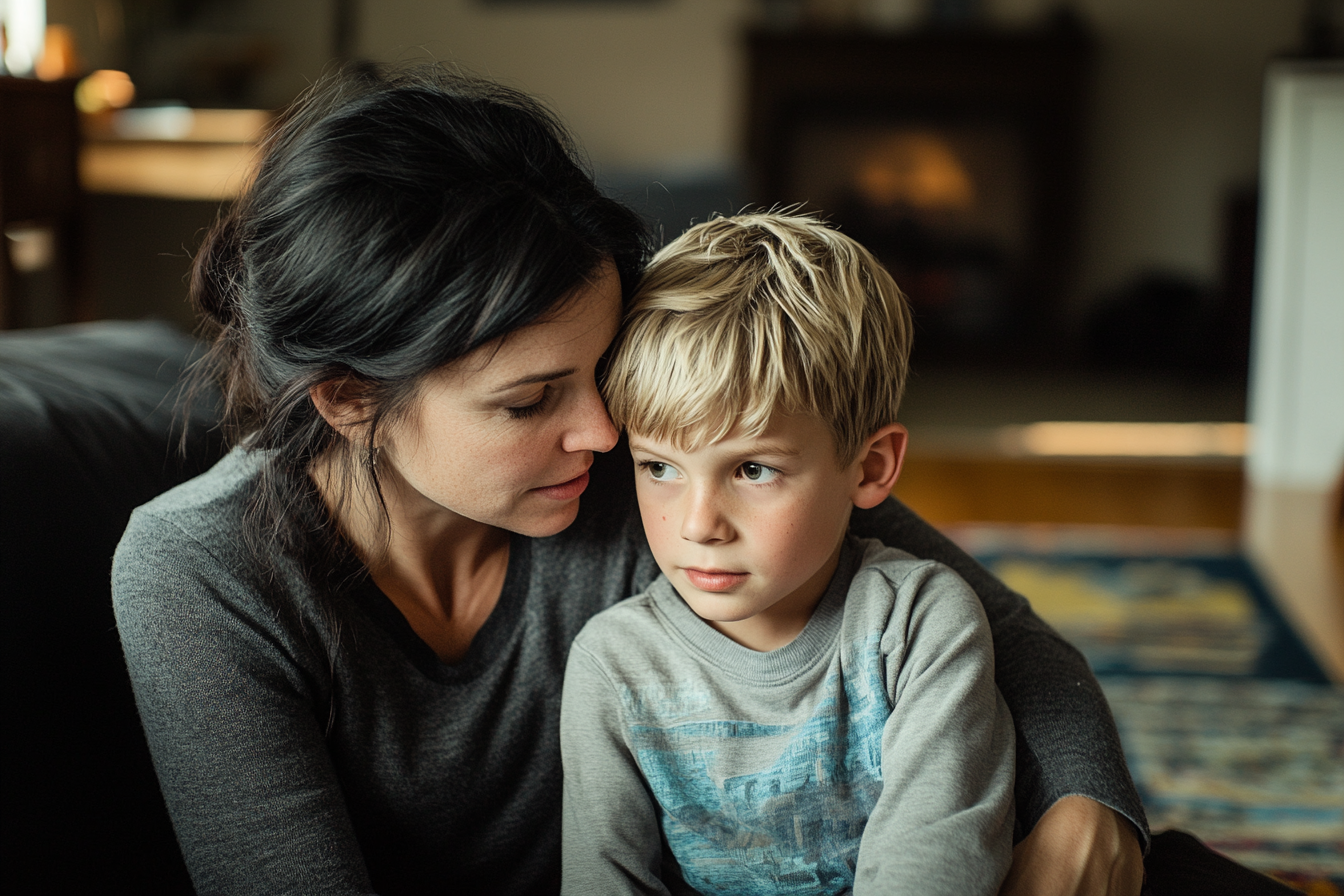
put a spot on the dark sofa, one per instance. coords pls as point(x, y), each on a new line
point(89, 427)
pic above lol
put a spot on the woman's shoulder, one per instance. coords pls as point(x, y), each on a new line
point(197, 523)
point(185, 562)
point(227, 483)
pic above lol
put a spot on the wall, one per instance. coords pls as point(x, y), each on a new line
point(655, 87)
point(295, 35)
point(1298, 370)
point(1176, 125)
point(1296, 467)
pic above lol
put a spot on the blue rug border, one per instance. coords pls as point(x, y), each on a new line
point(1284, 656)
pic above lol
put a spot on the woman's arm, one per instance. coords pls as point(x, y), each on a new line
point(229, 714)
point(1078, 847)
point(1067, 743)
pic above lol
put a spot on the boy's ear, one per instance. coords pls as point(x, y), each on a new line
point(880, 461)
point(342, 403)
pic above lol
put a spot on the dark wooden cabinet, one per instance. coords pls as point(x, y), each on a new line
point(39, 193)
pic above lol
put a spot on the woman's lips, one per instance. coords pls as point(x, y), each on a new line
point(715, 579)
point(565, 491)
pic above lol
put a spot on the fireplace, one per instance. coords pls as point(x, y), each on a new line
point(954, 155)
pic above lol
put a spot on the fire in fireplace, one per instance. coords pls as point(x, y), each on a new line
point(952, 154)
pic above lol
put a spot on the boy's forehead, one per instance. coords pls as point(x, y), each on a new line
point(785, 435)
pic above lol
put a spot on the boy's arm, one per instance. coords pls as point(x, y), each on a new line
point(610, 838)
point(1067, 744)
point(944, 821)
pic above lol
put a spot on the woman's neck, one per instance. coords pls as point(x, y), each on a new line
point(444, 572)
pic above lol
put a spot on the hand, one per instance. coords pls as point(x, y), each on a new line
point(1078, 848)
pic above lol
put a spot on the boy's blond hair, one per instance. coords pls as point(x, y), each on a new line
point(745, 317)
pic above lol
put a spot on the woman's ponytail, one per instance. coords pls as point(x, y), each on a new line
point(216, 272)
point(216, 292)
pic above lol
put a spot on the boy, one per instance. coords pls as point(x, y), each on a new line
point(787, 709)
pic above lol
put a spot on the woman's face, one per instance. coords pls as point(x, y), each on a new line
point(505, 435)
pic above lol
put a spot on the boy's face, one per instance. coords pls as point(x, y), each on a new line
point(748, 530)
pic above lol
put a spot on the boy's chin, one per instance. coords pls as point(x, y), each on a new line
point(717, 606)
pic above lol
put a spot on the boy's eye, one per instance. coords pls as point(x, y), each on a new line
point(758, 473)
point(659, 471)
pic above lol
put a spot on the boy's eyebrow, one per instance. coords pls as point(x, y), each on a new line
point(534, 378)
point(636, 444)
point(776, 449)
point(768, 449)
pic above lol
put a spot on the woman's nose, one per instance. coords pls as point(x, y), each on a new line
point(591, 429)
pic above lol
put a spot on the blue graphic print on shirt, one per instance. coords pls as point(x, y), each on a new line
point(791, 827)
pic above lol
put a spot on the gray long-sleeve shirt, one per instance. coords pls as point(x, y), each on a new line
point(872, 754)
point(307, 743)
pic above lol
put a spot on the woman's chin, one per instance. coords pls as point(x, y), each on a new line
point(542, 524)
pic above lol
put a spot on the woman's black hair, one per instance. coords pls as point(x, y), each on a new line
point(398, 219)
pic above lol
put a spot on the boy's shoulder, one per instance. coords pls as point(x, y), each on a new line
point(887, 582)
point(634, 617)
point(894, 564)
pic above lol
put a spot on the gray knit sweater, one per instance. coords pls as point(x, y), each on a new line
point(311, 743)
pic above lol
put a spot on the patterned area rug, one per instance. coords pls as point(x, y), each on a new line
point(1230, 728)
point(1254, 767)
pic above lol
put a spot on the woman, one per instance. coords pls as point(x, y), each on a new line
point(347, 638)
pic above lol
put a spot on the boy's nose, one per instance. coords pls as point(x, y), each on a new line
point(703, 521)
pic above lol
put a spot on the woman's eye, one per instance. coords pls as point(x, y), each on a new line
point(522, 412)
point(758, 473)
point(659, 471)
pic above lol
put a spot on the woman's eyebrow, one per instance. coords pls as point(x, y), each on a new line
point(533, 378)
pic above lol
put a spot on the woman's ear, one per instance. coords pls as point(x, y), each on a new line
point(342, 403)
point(880, 461)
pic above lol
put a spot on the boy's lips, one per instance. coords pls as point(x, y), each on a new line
point(714, 579)
point(567, 490)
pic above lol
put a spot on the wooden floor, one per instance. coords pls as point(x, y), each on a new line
point(1296, 540)
point(961, 469)
point(958, 470)
point(1153, 493)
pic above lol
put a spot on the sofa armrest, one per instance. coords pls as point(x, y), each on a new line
point(90, 430)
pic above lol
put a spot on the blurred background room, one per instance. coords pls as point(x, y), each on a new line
point(1120, 224)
